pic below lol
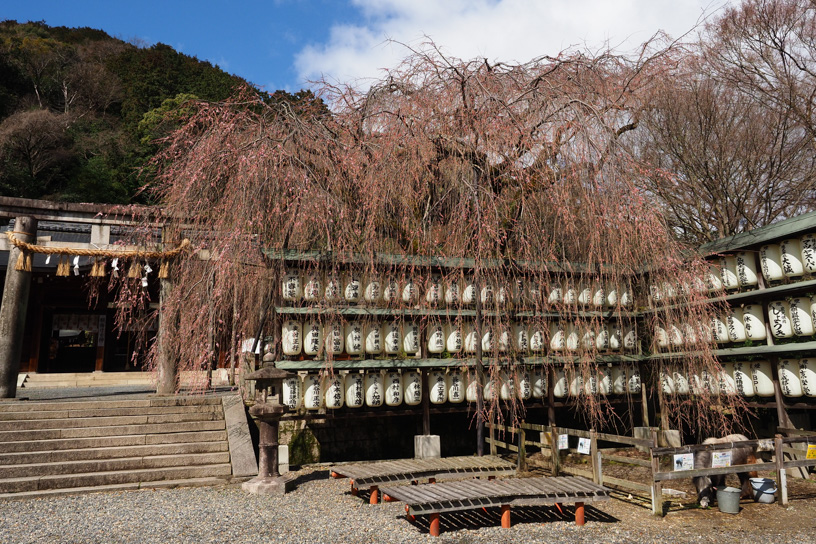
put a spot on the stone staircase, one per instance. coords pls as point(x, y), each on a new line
point(37, 380)
point(54, 447)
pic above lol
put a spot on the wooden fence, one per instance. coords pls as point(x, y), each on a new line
point(782, 447)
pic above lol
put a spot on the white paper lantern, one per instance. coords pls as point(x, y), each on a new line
point(681, 383)
point(728, 272)
point(373, 289)
point(334, 392)
point(779, 319)
point(374, 389)
point(391, 291)
point(453, 292)
point(633, 382)
point(469, 293)
point(585, 296)
point(393, 388)
point(558, 337)
point(312, 392)
point(313, 288)
point(605, 379)
point(746, 268)
point(508, 386)
point(352, 287)
point(335, 338)
point(801, 322)
point(540, 382)
point(743, 380)
point(807, 376)
point(736, 327)
point(332, 292)
point(456, 387)
point(373, 338)
point(762, 377)
point(410, 338)
point(791, 253)
point(521, 342)
point(560, 385)
point(524, 384)
point(354, 338)
point(473, 387)
point(292, 337)
point(436, 338)
point(355, 389)
point(292, 390)
point(556, 295)
point(392, 338)
point(453, 338)
point(753, 318)
point(471, 339)
point(410, 293)
point(437, 387)
point(538, 338)
point(434, 294)
point(313, 337)
point(808, 242)
point(789, 381)
point(412, 383)
point(719, 329)
point(726, 383)
point(292, 289)
point(618, 380)
point(770, 260)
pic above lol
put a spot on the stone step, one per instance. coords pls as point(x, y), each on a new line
point(87, 454)
point(160, 484)
point(77, 422)
point(98, 404)
point(111, 465)
point(112, 441)
point(112, 430)
point(89, 479)
point(25, 414)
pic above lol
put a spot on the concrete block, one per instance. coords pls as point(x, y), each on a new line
point(283, 459)
point(670, 439)
point(427, 447)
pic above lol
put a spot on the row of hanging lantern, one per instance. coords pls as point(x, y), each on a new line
point(797, 378)
point(354, 287)
point(371, 337)
point(790, 259)
point(394, 388)
point(787, 318)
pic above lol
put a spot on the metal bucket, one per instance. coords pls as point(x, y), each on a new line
point(763, 490)
point(728, 500)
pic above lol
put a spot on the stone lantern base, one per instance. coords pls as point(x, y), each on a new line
point(270, 485)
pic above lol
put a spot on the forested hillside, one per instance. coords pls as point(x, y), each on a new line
point(79, 109)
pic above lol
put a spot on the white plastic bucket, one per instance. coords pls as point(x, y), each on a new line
point(763, 490)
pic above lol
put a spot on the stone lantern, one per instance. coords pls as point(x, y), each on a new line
point(267, 411)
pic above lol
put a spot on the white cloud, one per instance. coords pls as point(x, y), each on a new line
point(499, 30)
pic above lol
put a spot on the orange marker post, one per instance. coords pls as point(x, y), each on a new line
point(505, 516)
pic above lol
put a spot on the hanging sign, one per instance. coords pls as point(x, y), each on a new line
point(720, 459)
point(684, 461)
point(563, 441)
point(584, 446)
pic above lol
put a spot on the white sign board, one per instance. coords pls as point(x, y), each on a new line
point(584, 446)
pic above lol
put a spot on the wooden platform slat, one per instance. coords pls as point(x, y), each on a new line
point(366, 475)
point(467, 494)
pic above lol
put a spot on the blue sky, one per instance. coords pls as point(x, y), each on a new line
point(285, 43)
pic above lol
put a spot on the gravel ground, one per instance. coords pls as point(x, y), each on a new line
point(321, 510)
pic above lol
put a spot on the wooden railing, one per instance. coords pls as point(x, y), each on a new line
point(518, 442)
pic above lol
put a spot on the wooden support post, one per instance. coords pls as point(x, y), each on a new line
point(480, 422)
point(594, 456)
point(434, 528)
point(551, 396)
point(492, 427)
point(13, 309)
point(554, 451)
point(782, 476)
point(522, 451)
point(657, 486)
point(426, 401)
point(579, 514)
point(644, 398)
point(505, 516)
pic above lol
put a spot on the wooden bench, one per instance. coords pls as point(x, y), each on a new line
point(433, 499)
point(372, 475)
